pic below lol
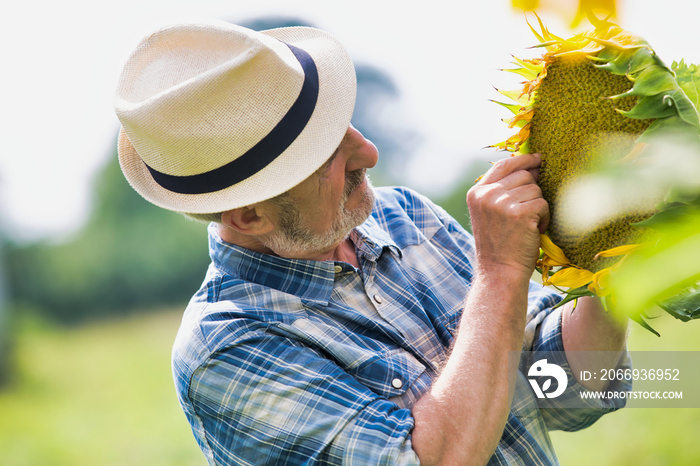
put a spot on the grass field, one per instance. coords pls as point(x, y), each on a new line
point(102, 394)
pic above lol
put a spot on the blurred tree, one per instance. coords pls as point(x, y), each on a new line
point(378, 117)
point(133, 255)
point(5, 346)
point(130, 255)
point(454, 202)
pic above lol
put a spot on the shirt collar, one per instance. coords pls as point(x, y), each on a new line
point(371, 240)
point(307, 279)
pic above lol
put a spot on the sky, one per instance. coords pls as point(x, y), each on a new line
point(62, 61)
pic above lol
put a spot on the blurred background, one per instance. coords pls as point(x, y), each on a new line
point(93, 279)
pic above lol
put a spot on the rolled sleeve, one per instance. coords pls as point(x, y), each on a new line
point(269, 400)
point(572, 410)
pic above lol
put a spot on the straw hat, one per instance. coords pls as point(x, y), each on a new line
point(216, 116)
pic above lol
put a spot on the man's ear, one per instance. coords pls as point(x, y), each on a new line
point(249, 220)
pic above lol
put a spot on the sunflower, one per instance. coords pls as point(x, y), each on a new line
point(593, 99)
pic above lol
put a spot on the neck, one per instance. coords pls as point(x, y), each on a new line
point(343, 251)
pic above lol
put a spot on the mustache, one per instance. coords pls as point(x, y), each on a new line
point(353, 180)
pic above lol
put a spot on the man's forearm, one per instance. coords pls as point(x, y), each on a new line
point(593, 338)
point(461, 419)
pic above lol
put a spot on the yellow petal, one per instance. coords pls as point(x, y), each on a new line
point(522, 116)
point(550, 262)
point(570, 277)
point(618, 251)
point(600, 284)
point(553, 253)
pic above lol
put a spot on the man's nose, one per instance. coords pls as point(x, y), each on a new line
point(364, 153)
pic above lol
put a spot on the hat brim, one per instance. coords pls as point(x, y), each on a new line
point(310, 150)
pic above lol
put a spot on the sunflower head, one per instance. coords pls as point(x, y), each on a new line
point(591, 100)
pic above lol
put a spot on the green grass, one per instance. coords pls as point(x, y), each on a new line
point(102, 394)
point(641, 436)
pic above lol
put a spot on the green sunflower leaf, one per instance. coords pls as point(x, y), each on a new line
point(670, 216)
point(685, 306)
point(661, 272)
point(668, 126)
point(688, 78)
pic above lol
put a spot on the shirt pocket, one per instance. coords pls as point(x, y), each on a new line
point(385, 369)
point(390, 374)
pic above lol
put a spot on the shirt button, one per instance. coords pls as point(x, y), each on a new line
point(338, 269)
point(378, 299)
point(397, 383)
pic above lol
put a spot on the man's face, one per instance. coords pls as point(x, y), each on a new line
point(316, 215)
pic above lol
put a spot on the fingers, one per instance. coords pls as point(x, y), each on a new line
point(539, 207)
point(522, 203)
point(515, 179)
point(524, 193)
point(505, 167)
point(535, 173)
point(509, 213)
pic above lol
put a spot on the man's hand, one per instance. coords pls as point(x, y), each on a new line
point(508, 214)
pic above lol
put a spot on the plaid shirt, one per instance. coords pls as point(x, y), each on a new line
point(284, 361)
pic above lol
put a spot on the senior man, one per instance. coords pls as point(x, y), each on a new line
point(338, 323)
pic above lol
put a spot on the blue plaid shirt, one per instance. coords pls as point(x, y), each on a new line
point(284, 361)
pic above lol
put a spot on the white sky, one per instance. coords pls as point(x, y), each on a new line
point(61, 61)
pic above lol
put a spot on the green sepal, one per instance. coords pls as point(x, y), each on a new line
point(651, 81)
point(642, 59)
point(546, 44)
point(650, 106)
point(516, 95)
point(666, 105)
point(626, 63)
point(612, 44)
point(515, 108)
point(679, 196)
point(669, 216)
point(640, 320)
point(685, 108)
point(551, 39)
point(571, 295)
point(531, 67)
point(613, 67)
point(609, 54)
point(542, 28)
point(524, 72)
point(524, 147)
point(518, 124)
